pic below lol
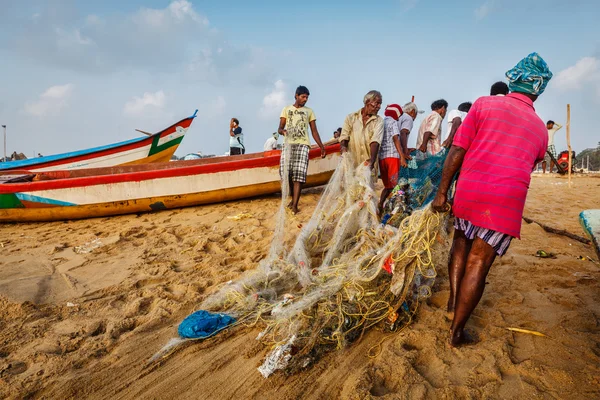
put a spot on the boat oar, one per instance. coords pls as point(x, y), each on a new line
point(145, 133)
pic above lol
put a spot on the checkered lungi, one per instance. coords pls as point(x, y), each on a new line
point(298, 165)
point(552, 151)
point(499, 241)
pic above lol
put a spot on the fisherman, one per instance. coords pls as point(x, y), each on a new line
point(492, 187)
point(391, 153)
point(455, 118)
point(499, 89)
point(236, 138)
point(552, 128)
point(362, 131)
point(293, 124)
point(337, 133)
point(406, 123)
point(271, 143)
point(430, 131)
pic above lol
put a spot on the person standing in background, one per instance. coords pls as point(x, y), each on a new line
point(236, 138)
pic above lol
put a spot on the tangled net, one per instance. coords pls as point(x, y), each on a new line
point(346, 272)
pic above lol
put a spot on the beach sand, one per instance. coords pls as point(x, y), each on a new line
point(85, 304)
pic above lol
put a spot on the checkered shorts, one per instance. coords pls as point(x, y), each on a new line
point(499, 241)
point(298, 166)
point(552, 150)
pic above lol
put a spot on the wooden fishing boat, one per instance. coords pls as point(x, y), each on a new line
point(590, 222)
point(98, 192)
point(157, 147)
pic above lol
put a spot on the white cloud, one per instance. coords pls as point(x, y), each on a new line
point(138, 105)
point(484, 10)
point(585, 71)
point(51, 102)
point(275, 100)
point(408, 4)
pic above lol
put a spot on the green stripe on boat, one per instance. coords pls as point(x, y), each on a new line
point(10, 200)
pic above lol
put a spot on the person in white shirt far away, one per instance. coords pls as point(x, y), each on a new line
point(455, 118)
point(552, 128)
point(271, 143)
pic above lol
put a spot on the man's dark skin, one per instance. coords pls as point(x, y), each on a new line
point(370, 109)
point(427, 135)
point(470, 260)
point(296, 187)
point(456, 122)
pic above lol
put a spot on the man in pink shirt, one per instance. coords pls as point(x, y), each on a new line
point(496, 148)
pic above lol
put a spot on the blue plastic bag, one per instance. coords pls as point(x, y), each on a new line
point(203, 324)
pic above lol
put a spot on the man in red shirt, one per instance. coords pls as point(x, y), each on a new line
point(496, 148)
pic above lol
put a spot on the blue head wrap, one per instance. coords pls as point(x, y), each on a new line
point(530, 75)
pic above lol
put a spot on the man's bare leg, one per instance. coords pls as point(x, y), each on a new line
point(480, 259)
point(461, 246)
point(551, 166)
point(291, 191)
point(544, 167)
point(384, 195)
point(296, 196)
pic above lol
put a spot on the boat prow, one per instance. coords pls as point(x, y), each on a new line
point(158, 147)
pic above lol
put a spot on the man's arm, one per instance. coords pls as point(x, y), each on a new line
point(281, 128)
point(558, 126)
point(455, 125)
point(374, 152)
point(376, 139)
point(404, 142)
point(345, 135)
point(451, 166)
point(399, 149)
point(317, 137)
point(426, 137)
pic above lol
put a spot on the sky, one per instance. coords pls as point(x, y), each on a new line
point(76, 74)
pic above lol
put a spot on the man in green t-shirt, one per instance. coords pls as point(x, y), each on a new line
point(293, 124)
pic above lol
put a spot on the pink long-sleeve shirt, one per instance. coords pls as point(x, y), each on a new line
point(503, 138)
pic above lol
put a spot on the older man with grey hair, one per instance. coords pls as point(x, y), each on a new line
point(362, 131)
point(405, 123)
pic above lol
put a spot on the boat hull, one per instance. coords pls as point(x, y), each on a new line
point(158, 147)
point(154, 190)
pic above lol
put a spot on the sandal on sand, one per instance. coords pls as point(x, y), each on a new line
point(543, 254)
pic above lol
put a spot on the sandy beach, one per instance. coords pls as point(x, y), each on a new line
point(85, 304)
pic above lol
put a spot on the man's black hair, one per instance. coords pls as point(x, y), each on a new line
point(465, 107)
point(499, 88)
point(550, 122)
point(302, 90)
point(339, 129)
point(436, 105)
point(237, 122)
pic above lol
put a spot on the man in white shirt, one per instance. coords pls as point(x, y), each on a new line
point(271, 143)
point(455, 118)
point(552, 128)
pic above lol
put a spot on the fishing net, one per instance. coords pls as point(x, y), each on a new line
point(347, 271)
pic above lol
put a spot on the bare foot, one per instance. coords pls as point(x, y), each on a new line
point(289, 204)
point(295, 210)
point(462, 338)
